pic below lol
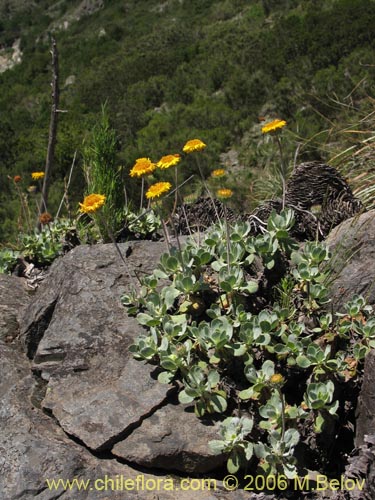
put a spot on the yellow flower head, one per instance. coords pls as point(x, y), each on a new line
point(224, 193)
point(277, 379)
point(219, 172)
point(168, 161)
point(92, 203)
point(37, 175)
point(193, 145)
point(158, 189)
point(143, 166)
point(273, 126)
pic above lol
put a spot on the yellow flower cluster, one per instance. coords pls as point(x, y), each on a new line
point(37, 175)
point(92, 203)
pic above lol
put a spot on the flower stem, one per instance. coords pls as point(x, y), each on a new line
point(208, 191)
point(282, 413)
point(228, 236)
point(142, 190)
point(283, 169)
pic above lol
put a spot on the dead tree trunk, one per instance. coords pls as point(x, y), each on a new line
point(52, 128)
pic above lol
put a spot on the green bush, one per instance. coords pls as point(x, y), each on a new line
point(213, 328)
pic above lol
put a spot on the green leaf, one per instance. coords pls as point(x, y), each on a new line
point(248, 450)
point(246, 393)
point(185, 398)
point(260, 450)
point(234, 462)
point(226, 286)
point(165, 377)
point(218, 403)
point(318, 424)
point(303, 361)
point(170, 293)
point(200, 408)
point(251, 287)
point(145, 319)
point(217, 447)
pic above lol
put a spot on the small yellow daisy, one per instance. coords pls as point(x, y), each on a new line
point(37, 175)
point(193, 145)
point(92, 203)
point(219, 172)
point(224, 193)
point(158, 189)
point(273, 126)
point(143, 166)
point(168, 161)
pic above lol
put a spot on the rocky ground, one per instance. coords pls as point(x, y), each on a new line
point(76, 405)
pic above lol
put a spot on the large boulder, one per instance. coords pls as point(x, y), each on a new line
point(77, 334)
point(34, 450)
point(173, 438)
point(90, 410)
point(353, 264)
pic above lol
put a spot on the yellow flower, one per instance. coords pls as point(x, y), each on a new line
point(92, 203)
point(168, 161)
point(224, 193)
point(37, 175)
point(277, 379)
point(143, 166)
point(158, 189)
point(193, 145)
point(219, 172)
point(273, 126)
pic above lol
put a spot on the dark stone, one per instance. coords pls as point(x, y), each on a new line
point(78, 334)
point(366, 402)
point(173, 438)
point(13, 299)
point(352, 245)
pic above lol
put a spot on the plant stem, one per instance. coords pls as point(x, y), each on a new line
point(283, 170)
point(24, 208)
point(228, 236)
point(175, 194)
point(65, 195)
point(142, 190)
point(208, 191)
point(282, 413)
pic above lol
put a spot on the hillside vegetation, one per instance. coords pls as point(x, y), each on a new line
point(174, 70)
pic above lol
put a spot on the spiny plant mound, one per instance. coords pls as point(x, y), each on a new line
point(280, 369)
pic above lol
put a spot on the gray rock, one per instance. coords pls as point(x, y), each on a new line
point(353, 265)
point(100, 411)
point(78, 334)
point(34, 449)
point(365, 415)
point(13, 299)
point(173, 438)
